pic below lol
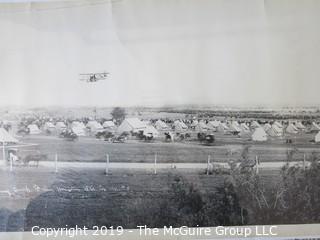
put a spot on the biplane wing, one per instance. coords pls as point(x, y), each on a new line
point(93, 77)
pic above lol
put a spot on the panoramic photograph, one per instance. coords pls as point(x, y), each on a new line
point(128, 114)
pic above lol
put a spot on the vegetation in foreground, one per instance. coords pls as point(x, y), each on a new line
point(235, 198)
point(246, 197)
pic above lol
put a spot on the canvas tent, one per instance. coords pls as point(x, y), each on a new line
point(179, 126)
point(275, 131)
point(131, 125)
point(255, 124)
point(213, 125)
point(235, 123)
point(150, 131)
point(278, 124)
point(108, 125)
point(194, 123)
point(300, 126)
point(94, 126)
point(79, 124)
point(6, 138)
point(292, 129)
point(234, 128)
point(314, 127)
point(33, 129)
point(259, 135)
point(267, 127)
point(61, 126)
point(48, 126)
point(161, 125)
point(78, 128)
point(317, 137)
point(201, 127)
point(244, 127)
point(222, 127)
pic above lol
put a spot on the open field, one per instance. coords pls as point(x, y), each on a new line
point(38, 196)
point(226, 147)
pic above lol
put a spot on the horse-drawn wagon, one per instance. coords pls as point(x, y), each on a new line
point(25, 158)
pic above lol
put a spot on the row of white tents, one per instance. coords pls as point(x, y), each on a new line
point(76, 126)
point(259, 132)
point(274, 130)
point(262, 133)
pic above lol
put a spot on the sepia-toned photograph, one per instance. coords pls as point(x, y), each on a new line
point(185, 117)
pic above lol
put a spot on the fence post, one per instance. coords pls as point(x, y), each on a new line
point(56, 163)
point(208, 164)
point(107, 165)
point(257, 165)
point(4, 154)
point(304, 162)
point(11, 164)
point(155, 163)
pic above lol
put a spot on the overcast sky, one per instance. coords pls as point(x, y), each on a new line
point(158, 52)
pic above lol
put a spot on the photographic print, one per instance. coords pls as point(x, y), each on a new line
point(179, 117)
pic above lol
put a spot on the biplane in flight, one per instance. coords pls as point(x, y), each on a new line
point(93, 77)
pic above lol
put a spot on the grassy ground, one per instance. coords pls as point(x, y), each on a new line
point(38, 196)
point(87, 197)
point(90, 149)
point(83, 197)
